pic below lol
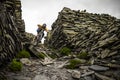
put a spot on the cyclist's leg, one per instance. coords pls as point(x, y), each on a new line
point(43, 35)
point(37, 38)
point(40, 37)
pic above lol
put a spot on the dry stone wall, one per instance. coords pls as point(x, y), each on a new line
point(12, 30)
point(96, 34)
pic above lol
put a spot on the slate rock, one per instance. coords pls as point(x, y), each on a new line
point(9, 33)
point(76, 74)
point(97, 34)
point(41, 77)
point(19, 78)
point(98, 68)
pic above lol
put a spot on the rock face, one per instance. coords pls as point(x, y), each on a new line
point(29, 37)
point(12, 30)
point(96, 34)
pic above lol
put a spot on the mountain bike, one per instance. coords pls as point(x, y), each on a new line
point(39, 37)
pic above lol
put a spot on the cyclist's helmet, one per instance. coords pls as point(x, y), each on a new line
point(44, 25)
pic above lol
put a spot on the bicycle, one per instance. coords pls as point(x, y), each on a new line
point(39, 37)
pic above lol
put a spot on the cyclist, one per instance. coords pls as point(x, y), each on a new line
point(40, 31)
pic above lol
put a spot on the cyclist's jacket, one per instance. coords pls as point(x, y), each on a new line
point(41, 29)
point(38, 30)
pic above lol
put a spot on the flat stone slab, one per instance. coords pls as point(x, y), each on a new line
point(19, 78)
point(41, 77)
point(98, 68)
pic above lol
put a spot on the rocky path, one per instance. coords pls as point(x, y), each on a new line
point(37, 71)
point(52, 69)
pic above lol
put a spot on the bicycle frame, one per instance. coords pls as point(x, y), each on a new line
point(40, 36)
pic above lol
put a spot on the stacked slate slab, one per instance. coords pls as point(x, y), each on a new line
point(12, 30)
point(96, 34)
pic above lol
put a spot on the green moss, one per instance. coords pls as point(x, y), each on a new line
point(83, 55)
point(53, 56)
point(41, 55)
point(73, 63)
point(23, 54)
point(15, 65)
point(65, 51)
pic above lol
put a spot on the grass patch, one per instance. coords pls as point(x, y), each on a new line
point(23, 54)
point(83, 55)
point(15, 65)
point(74, 63)
point(65, 51)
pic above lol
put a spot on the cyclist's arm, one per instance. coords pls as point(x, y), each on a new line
point(46, 30)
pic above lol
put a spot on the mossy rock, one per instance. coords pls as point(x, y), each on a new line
point(15, 65)
point(41, 55)
point(54, 53)
point(83, 55)
point(74, 63)
point(23, 54)
point(65, 51)
point(53, 56)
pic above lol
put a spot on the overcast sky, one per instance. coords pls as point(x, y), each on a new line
point(46, 11)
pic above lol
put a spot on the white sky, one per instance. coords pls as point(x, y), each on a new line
point(46, 11)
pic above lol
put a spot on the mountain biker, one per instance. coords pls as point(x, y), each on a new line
point(40, 30)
